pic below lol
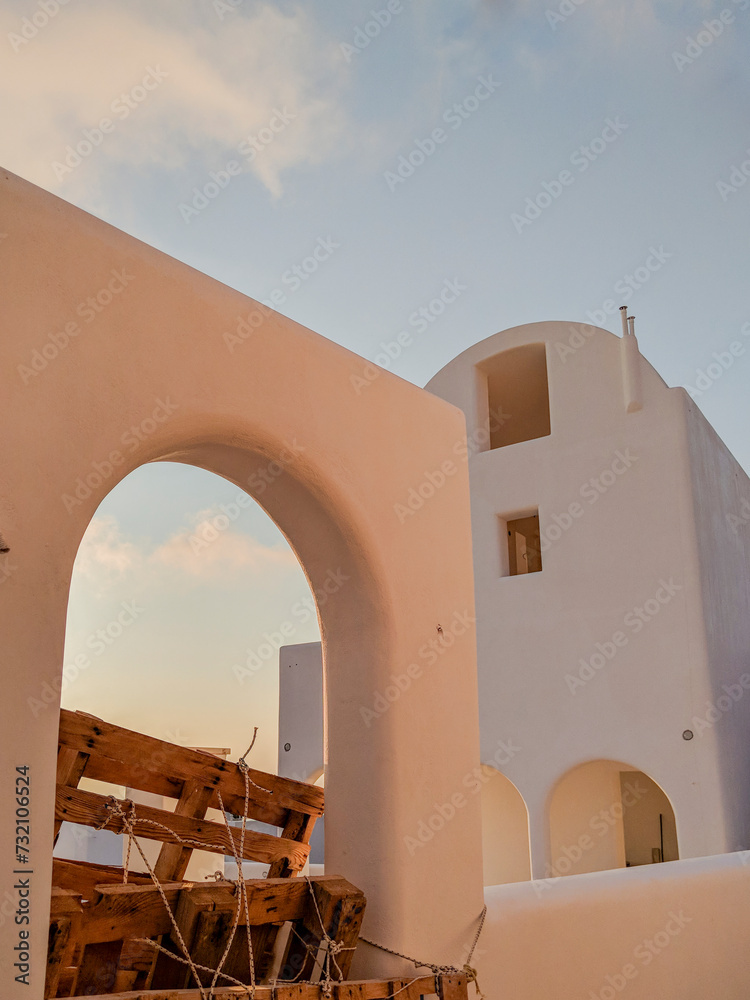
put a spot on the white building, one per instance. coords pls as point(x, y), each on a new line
point(613, 609)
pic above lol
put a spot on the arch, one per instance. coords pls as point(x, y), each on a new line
point(363, 476)
point(505, 830)
point(606, 814)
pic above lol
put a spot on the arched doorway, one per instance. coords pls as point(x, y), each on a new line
point(505, 830)
point(606, 814)
point(182, 593)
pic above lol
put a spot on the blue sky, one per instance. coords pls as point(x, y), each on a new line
point(625, 120)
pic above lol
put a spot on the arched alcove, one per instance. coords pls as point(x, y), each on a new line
point(505, 830)
point(605, 814)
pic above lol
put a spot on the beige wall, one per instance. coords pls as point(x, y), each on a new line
point(660, 932)
point(358, 459)
point(585, 820)
point(505, 830)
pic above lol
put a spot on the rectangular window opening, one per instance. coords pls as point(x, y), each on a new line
point(517, 395)
point(520, 544)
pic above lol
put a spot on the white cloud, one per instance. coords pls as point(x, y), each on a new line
point(104, 556)
point(224, 78)
point(207, 551)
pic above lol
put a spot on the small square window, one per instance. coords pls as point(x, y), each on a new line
point(521, 550)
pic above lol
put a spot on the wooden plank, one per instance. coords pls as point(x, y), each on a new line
point(84, 876)
point(342, 908)
point(70, 767)
point(299, 827)
point(124, 911)
point(89, 808)
point(135, 759)
point(453, 987)
point(66, 914)
point(138, 910)
point(98, 969)
point(355, 990)
point(173, 859)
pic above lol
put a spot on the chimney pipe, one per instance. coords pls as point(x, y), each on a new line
point(630, 360)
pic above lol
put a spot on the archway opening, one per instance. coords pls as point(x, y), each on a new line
point(505, 830)
point(605, 814)
point(183, 591)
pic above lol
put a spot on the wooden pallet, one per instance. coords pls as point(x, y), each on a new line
point(92, 748)
point(97, 749)
point(444, 987)
point(87, 938)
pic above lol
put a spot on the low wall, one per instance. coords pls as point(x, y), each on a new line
point(675, 931)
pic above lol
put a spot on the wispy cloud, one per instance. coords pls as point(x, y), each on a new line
point(197, 554)
point(220, 81)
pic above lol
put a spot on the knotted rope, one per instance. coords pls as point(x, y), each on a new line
point(467, 970)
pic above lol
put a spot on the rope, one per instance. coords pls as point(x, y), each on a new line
point(113, 806)
point(468, 970)
point(332, 948)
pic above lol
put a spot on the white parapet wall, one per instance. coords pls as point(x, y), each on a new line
point(676, 931)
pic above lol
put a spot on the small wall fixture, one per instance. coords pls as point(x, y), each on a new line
point(688, 734)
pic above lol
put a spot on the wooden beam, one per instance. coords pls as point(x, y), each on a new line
point(140, 761)
point(422, 986)
point(83, 876)
point(89, 808)
point(66, 915)
point(342, 908)
point(70, 767)
point(173, 859)
point(299, 827)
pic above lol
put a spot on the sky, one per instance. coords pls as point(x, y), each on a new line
point(551, 160)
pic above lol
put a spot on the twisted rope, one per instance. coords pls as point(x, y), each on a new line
point(467, 970)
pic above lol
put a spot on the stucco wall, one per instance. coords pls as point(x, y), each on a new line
point(613, 490)
point(677, 931)
point(156, 357)
point(721, 502)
